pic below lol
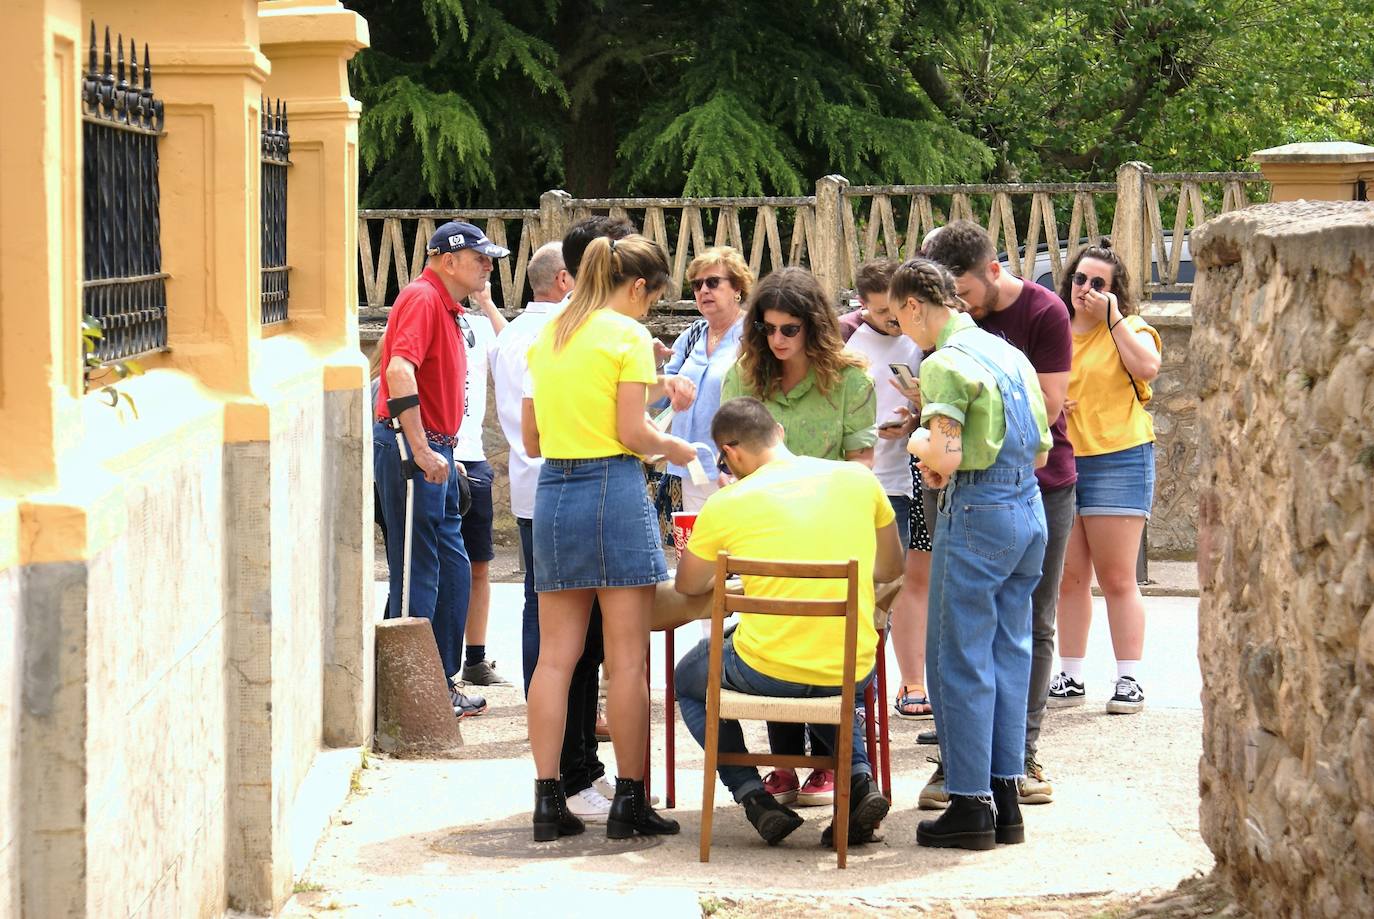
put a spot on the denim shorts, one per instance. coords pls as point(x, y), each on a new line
point(1120, 484)
point(477, 521)
point(901, 507)
point(594, 526)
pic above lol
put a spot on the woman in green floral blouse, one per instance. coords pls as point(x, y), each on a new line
point(793, 359)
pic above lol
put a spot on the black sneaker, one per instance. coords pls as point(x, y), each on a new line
point(1128, 698)
point(774, 821)
point(465, 706)
point(483, 673)
point(1065, 692)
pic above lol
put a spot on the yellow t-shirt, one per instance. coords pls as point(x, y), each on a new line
point(575, 387)
point(806, 510)
point(1109, 417)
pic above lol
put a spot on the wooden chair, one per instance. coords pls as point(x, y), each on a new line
point(736, 706)
point(878, 718)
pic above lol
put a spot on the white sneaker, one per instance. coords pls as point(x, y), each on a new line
point(589, 804)
point(607, 789)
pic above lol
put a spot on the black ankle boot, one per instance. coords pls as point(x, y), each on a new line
point(1006, 799)
point(966, 824)
point(867, 808)
point(774, 821)
point(631, 813)
point(551, 817)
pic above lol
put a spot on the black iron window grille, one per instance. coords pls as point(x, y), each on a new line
point(124, 288)
point(276, 157)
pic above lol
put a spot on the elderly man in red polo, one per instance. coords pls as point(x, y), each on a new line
point(423, 368)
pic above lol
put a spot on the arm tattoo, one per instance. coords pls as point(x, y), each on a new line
point(951, 430)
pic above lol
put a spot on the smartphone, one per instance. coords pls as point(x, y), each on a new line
point(894, 423)
point(905, 375)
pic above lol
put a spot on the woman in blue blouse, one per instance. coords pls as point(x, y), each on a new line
point(721, 282)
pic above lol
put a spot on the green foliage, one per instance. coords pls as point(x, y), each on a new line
point(480, 102)
point(1072, 90)
point(437, 88)
point(92, 332)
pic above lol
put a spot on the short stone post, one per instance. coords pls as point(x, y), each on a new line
point(1284, 308)
point(1332, 171)
point(1131, 224)
point(827, 241)
point(555, 216)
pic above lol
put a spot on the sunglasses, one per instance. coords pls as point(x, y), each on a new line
point(722, 464)
point(767, 329)
point(710, 283)
point(1079, 279)
point(468, 335)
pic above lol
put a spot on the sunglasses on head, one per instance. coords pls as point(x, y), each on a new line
point(710, 283)
point(788, 330)
point(468, 335)
point(1079, 279)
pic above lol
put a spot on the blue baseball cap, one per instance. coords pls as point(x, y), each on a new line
point(456, 235)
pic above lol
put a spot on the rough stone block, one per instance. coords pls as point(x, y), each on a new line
point(414, 714)
point(1283, 344)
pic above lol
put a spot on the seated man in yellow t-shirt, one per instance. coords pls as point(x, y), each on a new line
point(787, 508)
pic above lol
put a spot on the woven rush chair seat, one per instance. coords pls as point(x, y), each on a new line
point(724, 704)
point(741, 706)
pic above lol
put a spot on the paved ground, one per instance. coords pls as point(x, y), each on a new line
point(451, 838)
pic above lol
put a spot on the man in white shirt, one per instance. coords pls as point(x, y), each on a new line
point(551, 283)
point(479, 342)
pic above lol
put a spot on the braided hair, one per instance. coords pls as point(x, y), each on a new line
point(926, 280)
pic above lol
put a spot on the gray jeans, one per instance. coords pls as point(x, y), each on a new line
point(1059, 511)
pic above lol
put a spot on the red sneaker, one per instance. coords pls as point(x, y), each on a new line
point(818, 789)
point(782, 785)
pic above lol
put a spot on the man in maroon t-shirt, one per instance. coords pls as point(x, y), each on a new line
point(424, 365)
point(1036, 321)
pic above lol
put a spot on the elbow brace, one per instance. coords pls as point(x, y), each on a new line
point(394, 407)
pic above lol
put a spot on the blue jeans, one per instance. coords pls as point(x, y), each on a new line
point(990, 537)
point(579, 764)
point(440, 573)
point(691, 677)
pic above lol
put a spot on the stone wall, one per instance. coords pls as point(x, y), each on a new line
point(1284, 361)
point(1173, 523)
point(155, 724)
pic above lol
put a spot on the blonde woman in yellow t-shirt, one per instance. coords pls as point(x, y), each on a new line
point(1115, 356)
point(595, 534)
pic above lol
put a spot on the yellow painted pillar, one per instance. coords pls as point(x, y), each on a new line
point(309, 44)
point(40, 242)
point(1329, 171)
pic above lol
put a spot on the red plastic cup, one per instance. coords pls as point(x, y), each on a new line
point(683, 523)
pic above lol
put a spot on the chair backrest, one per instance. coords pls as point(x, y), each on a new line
point(725, 602)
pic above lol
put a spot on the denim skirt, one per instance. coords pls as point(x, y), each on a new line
point(1120, 484)
point(594, 526)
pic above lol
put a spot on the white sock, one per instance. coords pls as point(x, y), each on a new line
point(1127, 668)
point(1072, 667)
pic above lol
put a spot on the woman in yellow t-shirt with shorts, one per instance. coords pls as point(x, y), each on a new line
point(595, 534)
point(1115, 356)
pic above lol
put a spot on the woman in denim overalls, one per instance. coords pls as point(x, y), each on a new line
point(985, 434)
